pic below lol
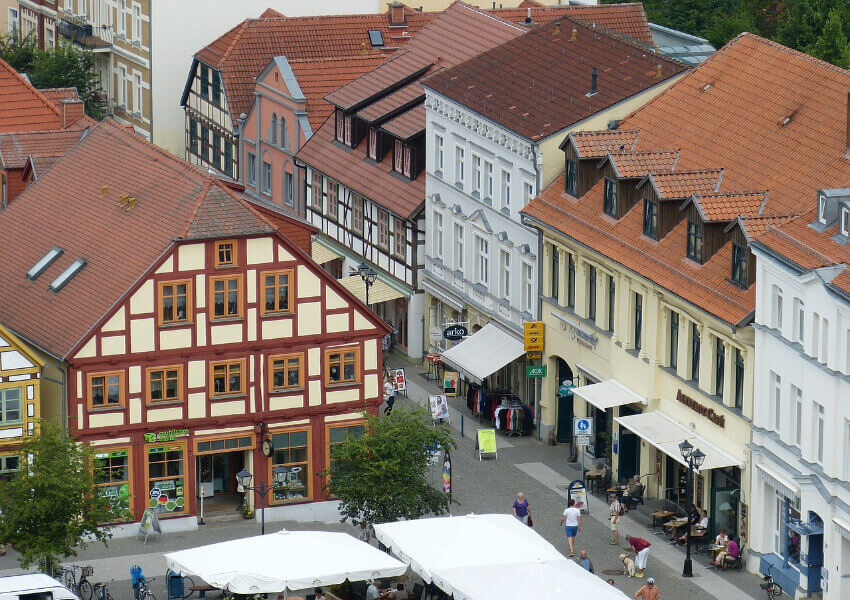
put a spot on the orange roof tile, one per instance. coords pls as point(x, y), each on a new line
point(407, 124)
point(406, 96)
point(682, 184)
point(632, 165)
point(755, 226)
point(24, 108)
point(16, 148)
point(56, 95)
point(728, 206)
point(770, 117)
point(598, 144)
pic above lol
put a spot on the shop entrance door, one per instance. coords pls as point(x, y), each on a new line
point(564, 425)
point(218, 471)
point(629, 449)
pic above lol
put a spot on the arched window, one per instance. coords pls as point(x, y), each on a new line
point(284, 134)
point(273, 128)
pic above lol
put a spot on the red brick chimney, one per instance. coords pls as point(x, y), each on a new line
point(396, 14)
point(72, 111)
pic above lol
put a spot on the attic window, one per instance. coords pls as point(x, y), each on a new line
point(845, 221)
point(376, 38)
point(39, 267)
point(66, 275)
point(822, 209)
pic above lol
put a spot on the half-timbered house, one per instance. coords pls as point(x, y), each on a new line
point(190, 326)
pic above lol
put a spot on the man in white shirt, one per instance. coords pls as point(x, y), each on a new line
point(389, 395)
point(616, 510)
point(571, 520)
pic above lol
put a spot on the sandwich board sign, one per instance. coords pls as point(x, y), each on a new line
point(486, 443)
point(150, 522)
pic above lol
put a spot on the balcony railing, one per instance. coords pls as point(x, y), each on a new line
point(85, 34)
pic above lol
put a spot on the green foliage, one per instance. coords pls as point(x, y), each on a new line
point(63, 66)
point(817, 27)
point(383, 476)
point(51, 505)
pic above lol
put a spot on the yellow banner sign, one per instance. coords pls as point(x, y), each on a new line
point(486, 442)
point(534, 336)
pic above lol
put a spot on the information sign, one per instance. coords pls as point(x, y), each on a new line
point(583, 426)
point(534, 335)
point(486, 442)
point(582, 440)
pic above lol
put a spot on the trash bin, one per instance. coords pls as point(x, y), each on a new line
point(174, 585)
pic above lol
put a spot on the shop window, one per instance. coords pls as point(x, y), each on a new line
point(286, 372)
point(174, 302)
point(106, 390)
point(165, 384)
point(342, 366)
point(277, 292)
point(10, 406)
point(226, 297)
point(9, 465)
point(112, 478)
point(292, 454)
point(227, 378)
point(165, 478)
point(225, 254)
point(224, 444)
point(338, 435)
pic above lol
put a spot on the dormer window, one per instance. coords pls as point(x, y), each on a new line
point(695, 241)
point(822, 209)
point(845, 221)
point(740, 266)
point(610, 206)
point(373, 144)
point(650, 218)
point(571, 178)
point(398, 156)
point(344, 126)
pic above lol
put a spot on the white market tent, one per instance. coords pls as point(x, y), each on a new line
point(287, 560)
point(490, 557)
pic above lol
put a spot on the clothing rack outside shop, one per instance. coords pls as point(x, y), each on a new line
point(500, 407)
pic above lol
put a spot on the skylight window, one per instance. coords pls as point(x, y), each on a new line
point(66, 275)
point(47, 260)
point(376, 38)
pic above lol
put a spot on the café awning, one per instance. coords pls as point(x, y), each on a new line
point(380, 291)
point(608, 394)
point(666, 434)
point(321, 253)
point(484, 352)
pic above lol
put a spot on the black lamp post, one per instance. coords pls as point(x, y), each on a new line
point(278, 479)
point(693, 459)
point(368, 275)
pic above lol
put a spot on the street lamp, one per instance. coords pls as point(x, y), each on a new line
point(693, 460)
point(368, 275)
point(278, 479)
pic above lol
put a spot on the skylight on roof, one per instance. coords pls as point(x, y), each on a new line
point(376, 38)
point(47, 260)
point(65, 276)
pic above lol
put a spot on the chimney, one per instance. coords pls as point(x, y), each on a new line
point(73, 110)
point(528, 16)
point(593, 76)
point(396, 14)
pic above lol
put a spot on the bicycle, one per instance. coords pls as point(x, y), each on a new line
point(102, 589)
point(144, 591)
point(83, 587)
point(770, 587)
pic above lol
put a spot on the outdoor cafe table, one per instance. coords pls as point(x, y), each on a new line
point(658, 517)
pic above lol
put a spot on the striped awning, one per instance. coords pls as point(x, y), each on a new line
point(777, 481)
point(379, 292)
point(322, 254)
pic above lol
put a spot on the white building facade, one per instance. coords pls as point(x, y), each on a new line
point(800, 528)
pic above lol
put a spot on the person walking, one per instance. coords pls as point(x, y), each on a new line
point(616, 511)
point(640, 550)
point(571, 520)
point(649, 592)
point(365, 533)
point(584, 561)
point(389, 395)
point(520, 509)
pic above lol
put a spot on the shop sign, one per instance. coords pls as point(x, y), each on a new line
point(576, 491)
point(454, 333)
point(398, 380)
point(168, 435)
point(534, 336)
point(535, 371)
point(450, 381)
point(566, 389)
point(533, 355)
point(708, 413)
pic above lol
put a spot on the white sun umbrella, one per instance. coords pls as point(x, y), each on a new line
point(287, 560)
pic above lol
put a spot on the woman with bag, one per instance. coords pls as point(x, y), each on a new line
point(521, 509)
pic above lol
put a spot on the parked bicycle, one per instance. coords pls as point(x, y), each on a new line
point(82, 587)
point(770, 587)
point(101, 590)
point(144, 591)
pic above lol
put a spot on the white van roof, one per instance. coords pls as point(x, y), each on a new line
point(22, 583)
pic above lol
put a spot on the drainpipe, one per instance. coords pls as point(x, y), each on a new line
point(537, 160)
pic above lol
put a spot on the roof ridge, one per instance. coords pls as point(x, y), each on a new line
point(732, 193)
point(616, 35)
point(242, 27)
point(786, 49)
point(799, 244)
point(199, 200)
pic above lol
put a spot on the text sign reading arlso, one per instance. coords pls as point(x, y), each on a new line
point(455, 333)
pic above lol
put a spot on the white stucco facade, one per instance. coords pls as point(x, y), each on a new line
point(801, 429)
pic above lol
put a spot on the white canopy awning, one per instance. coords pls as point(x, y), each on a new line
point(666, 434)
point(287, 560)
point(490, 557)
point(608, 394)
point(484, 352)
point(781, 484)
point(380, 291)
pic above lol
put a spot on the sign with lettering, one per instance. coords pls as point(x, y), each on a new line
point(454, 333)
point(535, 371)
point(534, 336)
point(705, 411)
point(168, 435)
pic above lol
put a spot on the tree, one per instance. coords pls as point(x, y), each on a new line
point(62, 66)
point(51, 505)
point(832, 45)
point(383, 475)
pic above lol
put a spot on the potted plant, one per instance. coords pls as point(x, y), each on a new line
point(247, 512)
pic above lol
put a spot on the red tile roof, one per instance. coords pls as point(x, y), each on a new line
point(24, 108)
point(16, 148)
point(770, 117)
point(407, 124)
point(319, 77)
point(633, 165)
point(56, 95)
point(728, 206)
point(680, 185)
point(244, 51)
point(174, 200)
point(406, 96)
point(540, 83)
point(627, 18)
point(599, 144)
